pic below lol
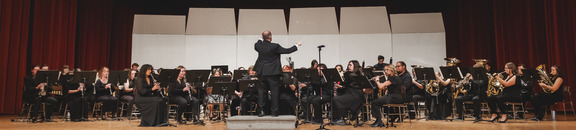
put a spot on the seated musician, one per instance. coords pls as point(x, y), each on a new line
point(127, 94)
point(153, 108)
point(105, 93)
point(393, 87)
point(510, 93)
point(214, 98)
point(322, 91)
point(244, 99)
point(546, 99)
point(78, 105)
point(475, 91)
point(288, 92)
point(33, 96)
point(352, 96)
point(181, 93)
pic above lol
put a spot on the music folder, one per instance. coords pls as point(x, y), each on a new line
point(307, 75)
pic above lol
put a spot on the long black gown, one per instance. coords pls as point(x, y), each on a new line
point(153, 108)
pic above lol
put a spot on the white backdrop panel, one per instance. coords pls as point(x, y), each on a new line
point(161, 51)
point(255, 21)
point(426, 49)
point(364, 20)
point(309, 50)
point(203, 51)
point(159, 24)
point(313, 21)
point(365, 47)
point(211, 21)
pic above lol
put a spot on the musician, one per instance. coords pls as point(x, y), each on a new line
point(313, 64)
point(128, 94)
point(511, 93)
point(526, 83)
point(441, 104)
point(288, 92)
point(104, 93)
point(393, 87)
point(181, 94)
point(269, 70)
point(135, 66)
point(380, 65)
point(76, 94)
point(475, 92)
point(153, 109)
point(244, 98)
point(32, 95)
point(214, 98)
point(546, 99)
point(322, 92)
point(417, 92)
point(352, 96)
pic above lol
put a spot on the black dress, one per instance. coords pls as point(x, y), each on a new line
point(351, 99)
point(153, 108)
point(102, 94)
point(185, 101)
point(543, 99)
point(509, 94)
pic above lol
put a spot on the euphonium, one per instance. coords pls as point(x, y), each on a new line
point(494, 86)
point(432, 87)
point(544, 78)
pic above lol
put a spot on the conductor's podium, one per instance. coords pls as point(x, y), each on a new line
point(281, 122)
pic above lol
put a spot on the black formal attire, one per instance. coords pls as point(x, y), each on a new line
point(31, 96)
point(128, 97)
point(153, 108)
point(269, 70)
point(509, 94)
point(378, 66)
point(546, 99)
point(320, 93)
point(243, 103)
point(415, 94)
point(78, 105)
point(110, 102)
point(394, 96)
point(185, 100)
point(441, 103)
point(476, 92)
point(351, 99)
point(288, 99)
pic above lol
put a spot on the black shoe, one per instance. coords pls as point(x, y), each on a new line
point(477, 119)
point(340, 122)
point(536, 119)
point(497, 117)
point(84, 119)
point(181, 122)
point(33, 120)
point(261, 114)
point(377, 124)
point(49, 120)
point(77, 120)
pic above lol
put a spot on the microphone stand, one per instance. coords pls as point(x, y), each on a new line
point(320, 62)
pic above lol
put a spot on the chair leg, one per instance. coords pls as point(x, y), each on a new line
point(572, 106)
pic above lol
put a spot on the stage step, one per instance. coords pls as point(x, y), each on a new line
point(252, 122)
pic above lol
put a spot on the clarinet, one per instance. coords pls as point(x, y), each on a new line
point(161, 89)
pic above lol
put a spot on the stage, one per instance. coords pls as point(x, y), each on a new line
point(560, 124)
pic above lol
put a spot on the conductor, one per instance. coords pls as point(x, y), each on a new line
point(269, 70)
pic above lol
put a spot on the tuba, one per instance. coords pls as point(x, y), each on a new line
point(544, 78)
point(494, 86)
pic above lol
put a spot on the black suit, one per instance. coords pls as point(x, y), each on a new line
point(269, 70)
point(31, 96)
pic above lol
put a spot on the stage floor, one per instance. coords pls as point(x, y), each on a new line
point(560, 124)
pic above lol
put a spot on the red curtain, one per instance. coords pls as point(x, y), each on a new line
point(531, 32)
point(53, 33)
point(14, 24)
point(88, 34)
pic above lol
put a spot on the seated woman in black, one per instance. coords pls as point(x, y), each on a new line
point(510, 93)
point(104, 93)
point(544, 99)
point(394, 95)
point(181, 93)
point(352, 96)
point(153, 108)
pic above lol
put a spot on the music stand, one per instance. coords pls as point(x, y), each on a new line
point(307, 75)
point(426, 73)
point(213, 80)
point(368, 72)
point(168, 76)
point(479, 74)
point(451, 72)
point(225, 89)
point(530, 74)
point(464, 71)
point(85, 77)
point(194, 76)
point(238, 74)
point(249, 85)
point(49, 76)
point(332, 75)
point(378, 72)
point(116, 77)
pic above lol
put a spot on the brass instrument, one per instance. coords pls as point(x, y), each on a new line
point(432, 87)
point(459, 88)
point(494, 86)
point(42, 90)
point(451, 61)
point(480, 61)
point(544, 78)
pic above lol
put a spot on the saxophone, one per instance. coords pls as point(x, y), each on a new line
point(494, 86)
point(544, 78)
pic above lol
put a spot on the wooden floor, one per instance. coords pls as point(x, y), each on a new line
point(562, 123)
